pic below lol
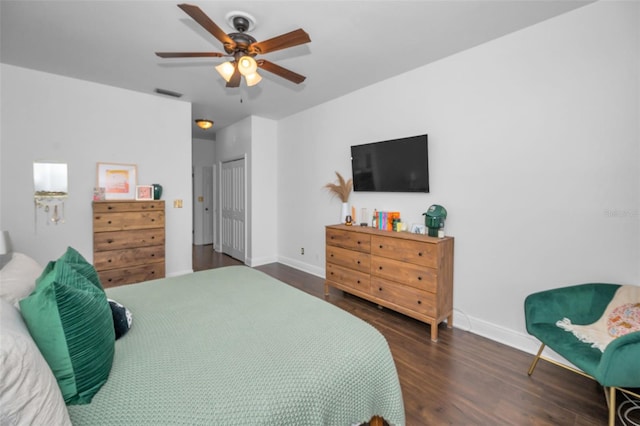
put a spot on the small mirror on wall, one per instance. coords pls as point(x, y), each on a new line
point(50, 190)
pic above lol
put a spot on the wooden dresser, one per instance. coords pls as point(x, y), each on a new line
point(409, 273)
point(128, 241)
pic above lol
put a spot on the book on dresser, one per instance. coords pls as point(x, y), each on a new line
point(408, 273)
point(128, 241)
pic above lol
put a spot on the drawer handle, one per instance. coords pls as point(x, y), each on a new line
point(331, 255)
point(331, 273)
point(153, 272)
point(153, 238)
point(358, 242)
point(109, 261)
point(419, 278)
point(109, 208)
point(331, 237)
point(358, 262)
point(110, 279)
point(380, 245)
point(379, 288)
point(419, 302)
point(419, 253)
point(380, 268)
point(358, 281)
point(109, 222)
point(152, 254)
point(153, 220)
point(109, 241)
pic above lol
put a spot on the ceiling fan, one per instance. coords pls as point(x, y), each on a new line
point(242, 47)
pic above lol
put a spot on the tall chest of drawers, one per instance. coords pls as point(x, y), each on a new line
point(128, 241)
point(408, 273)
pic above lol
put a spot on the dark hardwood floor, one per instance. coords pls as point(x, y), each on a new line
point(463, 379)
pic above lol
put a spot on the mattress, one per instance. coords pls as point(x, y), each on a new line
point(234, 346)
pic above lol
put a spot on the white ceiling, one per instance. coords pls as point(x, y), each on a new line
point(353, 44)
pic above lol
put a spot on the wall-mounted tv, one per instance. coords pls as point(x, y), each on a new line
point(398, 165)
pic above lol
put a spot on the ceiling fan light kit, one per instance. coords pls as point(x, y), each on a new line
point(204, 124)
point(242, 47)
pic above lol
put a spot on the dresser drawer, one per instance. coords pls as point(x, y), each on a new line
point(128, 206)
point(348, 277)
point(349, 240)
point(418, 252)
point(113, 259)
point(127, 220)
point(407, 274)
point(122, 239)
point(349, 258)
point(134, 274)
point(410, 298)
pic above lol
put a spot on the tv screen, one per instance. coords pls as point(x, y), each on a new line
point(398, 165)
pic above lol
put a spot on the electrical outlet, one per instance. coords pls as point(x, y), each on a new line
point(302, 251)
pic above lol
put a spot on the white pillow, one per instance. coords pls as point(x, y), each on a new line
point(18, 278)
point(29, 393)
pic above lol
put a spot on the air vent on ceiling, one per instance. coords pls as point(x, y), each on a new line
point(169, 93)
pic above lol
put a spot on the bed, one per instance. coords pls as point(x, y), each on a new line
point(234, 346)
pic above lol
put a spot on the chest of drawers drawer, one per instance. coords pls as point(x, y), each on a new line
point(348, 240)
point(416, 276)
point(124, 239)
point(348, 277)
point(419, 301)
point(417, 252)
point(349, 258)
point(112, 259)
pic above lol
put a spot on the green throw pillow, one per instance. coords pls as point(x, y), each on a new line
point(71, 322)
point(74, 259)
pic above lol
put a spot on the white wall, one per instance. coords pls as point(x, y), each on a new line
point(534, 150)
point(255, 139)
point(53, 118)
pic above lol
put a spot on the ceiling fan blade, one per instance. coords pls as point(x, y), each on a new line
point(190, 54)
point(235, 79)
point(201, 18)
point(283, 41)
point(280, 71)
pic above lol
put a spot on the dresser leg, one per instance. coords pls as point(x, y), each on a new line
point(434, 332)
point(450, 320)
point(326, 289)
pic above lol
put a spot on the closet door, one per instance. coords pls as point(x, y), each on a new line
point(232, 205)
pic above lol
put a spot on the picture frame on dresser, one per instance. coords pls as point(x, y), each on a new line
point(118, 180)
point(144, 192)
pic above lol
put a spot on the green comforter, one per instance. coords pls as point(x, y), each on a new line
point(233, 346)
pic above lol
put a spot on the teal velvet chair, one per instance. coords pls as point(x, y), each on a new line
point(617, 368)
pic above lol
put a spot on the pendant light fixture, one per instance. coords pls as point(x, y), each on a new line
point(204, 124)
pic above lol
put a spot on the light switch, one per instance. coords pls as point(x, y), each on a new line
point(201, 199)
point(177, 204)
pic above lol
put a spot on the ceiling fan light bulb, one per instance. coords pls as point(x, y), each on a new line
point(247, 65)
point(226, 70)
point(253, 79)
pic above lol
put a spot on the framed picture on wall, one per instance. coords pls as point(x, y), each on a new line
point(144, 192)
point(118, 180)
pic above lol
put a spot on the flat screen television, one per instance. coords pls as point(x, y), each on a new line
point(398, 165)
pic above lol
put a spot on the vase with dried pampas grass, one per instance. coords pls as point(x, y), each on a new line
point(342, 190)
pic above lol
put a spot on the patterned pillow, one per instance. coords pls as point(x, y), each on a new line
point(122, 318)
point(71, 322)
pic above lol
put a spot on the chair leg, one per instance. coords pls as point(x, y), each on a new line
point(535, 360)
point(611, 402)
